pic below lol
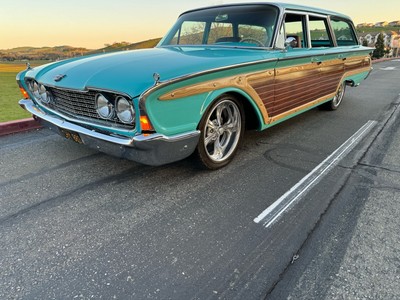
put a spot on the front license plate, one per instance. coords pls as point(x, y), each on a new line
point(71, 136)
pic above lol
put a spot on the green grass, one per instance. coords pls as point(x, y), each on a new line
point(9, 97)
point(10, 93)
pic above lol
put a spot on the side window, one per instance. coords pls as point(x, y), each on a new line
point(292, 34)
point(189, 33)
point(344, 33)
point(319, 32)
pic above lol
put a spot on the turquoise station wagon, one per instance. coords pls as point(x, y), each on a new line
point(219, 70)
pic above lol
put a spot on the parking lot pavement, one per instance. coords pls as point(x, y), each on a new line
point(355, 252)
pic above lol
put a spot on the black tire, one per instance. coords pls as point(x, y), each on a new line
point(337, 100)
point(222, 128)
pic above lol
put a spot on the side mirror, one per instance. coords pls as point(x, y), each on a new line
point(290, 42)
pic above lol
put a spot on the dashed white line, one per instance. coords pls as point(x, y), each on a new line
point(275, 211)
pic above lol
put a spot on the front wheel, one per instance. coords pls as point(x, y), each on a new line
point(222, 128)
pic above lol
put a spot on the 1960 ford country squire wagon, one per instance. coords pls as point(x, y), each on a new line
point(218, 71)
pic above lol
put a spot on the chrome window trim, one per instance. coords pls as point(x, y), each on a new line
point(340, 51)
point(308, 31)
point(307, 15)
point(349, 22)
point(332, 33)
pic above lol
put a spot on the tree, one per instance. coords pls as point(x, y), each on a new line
point(379, 47)
point(387, 51)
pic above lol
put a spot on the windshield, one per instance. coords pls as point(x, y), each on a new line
point(243, 26)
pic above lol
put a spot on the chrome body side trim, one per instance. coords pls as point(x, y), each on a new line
point(151, 149)
point(161, 84)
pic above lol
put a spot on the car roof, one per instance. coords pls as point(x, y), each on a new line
point(281, 6)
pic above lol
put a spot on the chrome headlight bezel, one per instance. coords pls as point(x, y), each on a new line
point(125, 110)
point(104, 107)
point(44, 95)
point(39, 91)
point(33, 87)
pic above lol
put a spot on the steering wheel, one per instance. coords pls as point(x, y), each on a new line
point(253, 41)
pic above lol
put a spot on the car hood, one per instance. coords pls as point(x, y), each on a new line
point(131, 72)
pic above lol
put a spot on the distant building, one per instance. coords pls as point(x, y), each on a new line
point(391, 40)
point(365, 25)
point(381, 24)
point(395, 45)
point(395, 24)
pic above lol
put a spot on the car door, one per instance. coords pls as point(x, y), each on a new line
point(304, 75)
point(346, 41)
point(331, 62)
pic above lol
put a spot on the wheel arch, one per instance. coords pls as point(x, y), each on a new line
point(252, 113)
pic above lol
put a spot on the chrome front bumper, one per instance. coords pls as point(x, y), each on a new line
point(150, 149)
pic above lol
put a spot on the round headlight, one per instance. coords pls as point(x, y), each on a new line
point(45, 96)
point(125, 111)
point(104, 108)
point(34, 88)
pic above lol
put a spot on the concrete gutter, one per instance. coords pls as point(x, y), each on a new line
point(30, 124)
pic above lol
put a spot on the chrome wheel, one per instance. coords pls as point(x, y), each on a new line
point(222, 128)
point(339, 96)
point(337, 99)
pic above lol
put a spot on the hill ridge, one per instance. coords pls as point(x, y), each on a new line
point(65, 51)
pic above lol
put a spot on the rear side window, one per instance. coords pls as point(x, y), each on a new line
point(319, 32)
point(344, 33)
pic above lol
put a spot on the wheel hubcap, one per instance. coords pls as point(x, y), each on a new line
point(339, 96)
point(222, 131)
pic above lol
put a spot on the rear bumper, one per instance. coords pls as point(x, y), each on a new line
point(150, 149)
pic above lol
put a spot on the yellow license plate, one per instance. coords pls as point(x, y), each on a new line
point(71, 136)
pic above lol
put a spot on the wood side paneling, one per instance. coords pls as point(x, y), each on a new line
point(284, 91)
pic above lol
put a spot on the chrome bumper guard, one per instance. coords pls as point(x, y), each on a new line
point(150, 149)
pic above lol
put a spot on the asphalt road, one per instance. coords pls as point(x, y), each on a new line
point(77, 224)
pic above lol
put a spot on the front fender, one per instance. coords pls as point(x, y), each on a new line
point(175, 116)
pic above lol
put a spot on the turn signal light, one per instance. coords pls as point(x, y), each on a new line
point(24, 93)
point(145, 124)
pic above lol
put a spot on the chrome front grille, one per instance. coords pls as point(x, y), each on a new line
point(74, 103)
point(81, 105)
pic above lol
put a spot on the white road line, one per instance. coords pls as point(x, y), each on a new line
point(274, 211)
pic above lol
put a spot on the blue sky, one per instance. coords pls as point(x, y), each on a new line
point(93, 23)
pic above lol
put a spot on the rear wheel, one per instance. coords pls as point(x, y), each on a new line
point(337, 100)
point(221, 129)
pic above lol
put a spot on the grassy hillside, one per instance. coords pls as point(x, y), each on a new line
point(123, 46)
point(9, 91)
point(43, 53)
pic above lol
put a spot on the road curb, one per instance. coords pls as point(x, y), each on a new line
point(18, 126)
